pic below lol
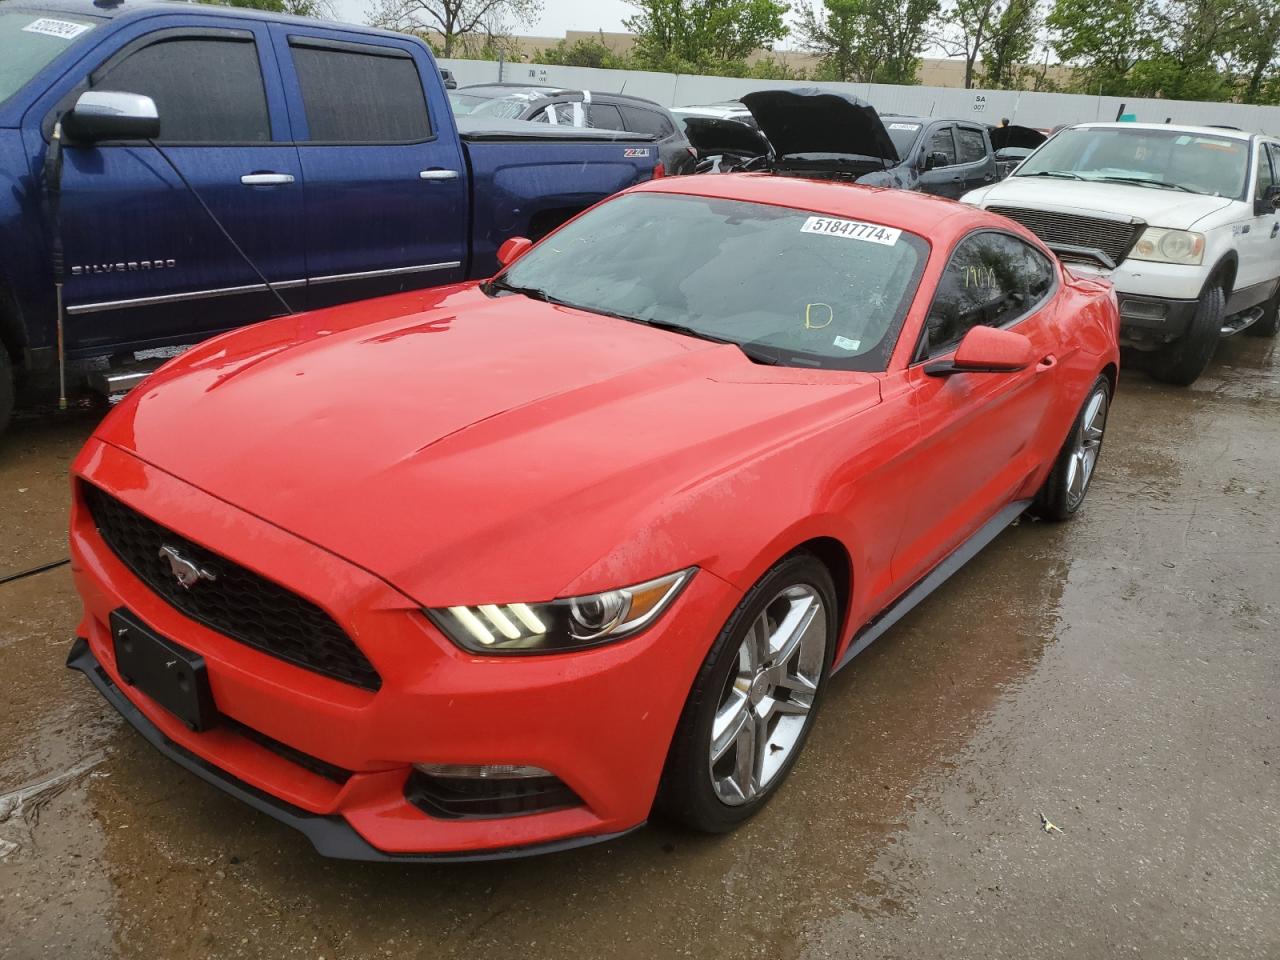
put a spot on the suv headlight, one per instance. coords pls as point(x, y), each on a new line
point(559, 625)
point(1169, 246)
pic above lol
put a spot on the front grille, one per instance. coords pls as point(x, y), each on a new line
point(239, 604)
point(479, 797)
point(1115, 238)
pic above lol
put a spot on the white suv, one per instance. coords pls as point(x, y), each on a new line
point(1182, 219)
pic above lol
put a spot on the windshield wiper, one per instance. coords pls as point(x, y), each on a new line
point(754, 355)
point(1144, 182)
point(1062, 174)
point(533, 293)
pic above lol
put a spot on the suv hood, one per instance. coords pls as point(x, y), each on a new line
point(809, 120)
point(464, 448)
point(715, 136)
point(1156, 207)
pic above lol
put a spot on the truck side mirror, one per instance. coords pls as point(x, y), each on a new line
point(1270, 199)
point(512, 249)
point(932, 160)
point(110, 115)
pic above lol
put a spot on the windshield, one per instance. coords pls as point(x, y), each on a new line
point(1160, 159)
point(501, 108)
point(789, 286)
point(30, 40)
point(903, 134)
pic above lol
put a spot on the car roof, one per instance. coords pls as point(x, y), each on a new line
point(940, 220)
point(129, 9)
point(1227, 133)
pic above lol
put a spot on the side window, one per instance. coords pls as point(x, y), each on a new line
point(605, 116)
point(564, 113)
point(941, 142)
point(360, 93)
point(207, 90)
point(640, 120)
point(992, 280)
point(1266, 172)
point(971, 147)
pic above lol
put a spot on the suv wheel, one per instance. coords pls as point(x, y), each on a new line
point(1182, 361)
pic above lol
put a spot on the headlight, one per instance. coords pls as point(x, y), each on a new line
point(559, 625)
point(1169, 246)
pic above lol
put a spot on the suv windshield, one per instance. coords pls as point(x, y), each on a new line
point(1160, 159)
point(31, 39)
point(903, 133)
point(788, 286)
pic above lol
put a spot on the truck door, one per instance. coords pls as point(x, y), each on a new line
point(1258, 237)
point(944, 178)
point(146, 265)
point(976, 162)
point(386, 183)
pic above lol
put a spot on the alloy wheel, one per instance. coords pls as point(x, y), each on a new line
point(768, 698)
point(1088, 444)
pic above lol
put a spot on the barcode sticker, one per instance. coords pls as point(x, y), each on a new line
point(852, 230)
point(62, 29)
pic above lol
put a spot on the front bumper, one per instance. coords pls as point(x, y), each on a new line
point(600, 720)
point(1157, 300)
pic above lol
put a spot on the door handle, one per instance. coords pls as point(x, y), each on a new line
point(1046, 363)
point(1275, 228)
point(266, 179)
point(438, 174)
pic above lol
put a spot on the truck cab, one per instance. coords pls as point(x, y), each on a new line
point(322, 158)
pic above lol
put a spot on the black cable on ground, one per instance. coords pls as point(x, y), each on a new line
point(34, 570)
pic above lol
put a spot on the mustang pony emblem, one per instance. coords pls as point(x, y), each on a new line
point(185, 571)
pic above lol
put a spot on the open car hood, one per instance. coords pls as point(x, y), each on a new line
point(1024, 137)
point(716, 136)
point(809, 120)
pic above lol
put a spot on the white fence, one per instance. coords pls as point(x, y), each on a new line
point(1029, 109)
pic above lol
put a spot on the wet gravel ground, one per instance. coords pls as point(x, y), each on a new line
point(1119, 674)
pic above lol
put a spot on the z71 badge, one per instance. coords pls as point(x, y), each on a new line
point(635, 152)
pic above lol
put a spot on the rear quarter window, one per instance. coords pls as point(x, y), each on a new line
point(640, 120)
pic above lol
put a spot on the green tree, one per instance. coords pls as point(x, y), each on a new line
point(1254, 51)
point(1009, 46)
point(966, 28)
point(582, 53)
point(1103, 40)
point(454, 21)
point(866, 41)
point(684, 36)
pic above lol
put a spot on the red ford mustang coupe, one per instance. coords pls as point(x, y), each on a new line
point(500, 568)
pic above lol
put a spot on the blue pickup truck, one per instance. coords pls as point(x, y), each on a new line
point(322, 158)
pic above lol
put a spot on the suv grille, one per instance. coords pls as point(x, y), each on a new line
point(1113, 237)
point(239, 603)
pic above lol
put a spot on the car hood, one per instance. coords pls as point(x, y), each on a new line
point(714, 136)
point(1012, 136)
point(464, 448)
point(1156, 207)
point(809, 120)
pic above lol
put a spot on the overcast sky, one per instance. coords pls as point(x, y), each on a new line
point(557, 15)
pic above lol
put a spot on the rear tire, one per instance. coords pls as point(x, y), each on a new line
point(1181, 362)
point(6, 389)
point(1269, 322)
point(1065, 488)
point(741, 732)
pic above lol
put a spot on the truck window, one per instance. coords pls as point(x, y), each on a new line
point(941, 142)
point(207, 90)
point(1265, 176)
point(970, 145)
point(640, 120)
point(360, 93)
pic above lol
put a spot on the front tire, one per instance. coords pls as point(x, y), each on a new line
point(1181, 362)
point(1065, 488)
point(754, 699)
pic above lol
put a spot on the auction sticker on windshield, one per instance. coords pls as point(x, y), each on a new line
point(852, 230)
point(63, 29)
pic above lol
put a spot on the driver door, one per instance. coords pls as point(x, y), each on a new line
point(978, 431)
point(947, 178)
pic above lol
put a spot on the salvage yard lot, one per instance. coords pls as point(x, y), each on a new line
point(1118, 674)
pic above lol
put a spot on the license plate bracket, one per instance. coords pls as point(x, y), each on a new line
point(165, 671)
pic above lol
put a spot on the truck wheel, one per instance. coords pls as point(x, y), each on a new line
point(1267, 324)
point(1182, 361)
point(6, 388)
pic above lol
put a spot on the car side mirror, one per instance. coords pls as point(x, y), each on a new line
point(987, 350)
point(1270, 199)
point(937, 159)
point(512, 249)
point(110, 115)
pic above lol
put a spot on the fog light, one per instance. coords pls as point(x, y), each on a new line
point(1142, 309)
point(460, 790)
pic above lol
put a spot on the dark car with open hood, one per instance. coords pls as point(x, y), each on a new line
point(819, 133)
